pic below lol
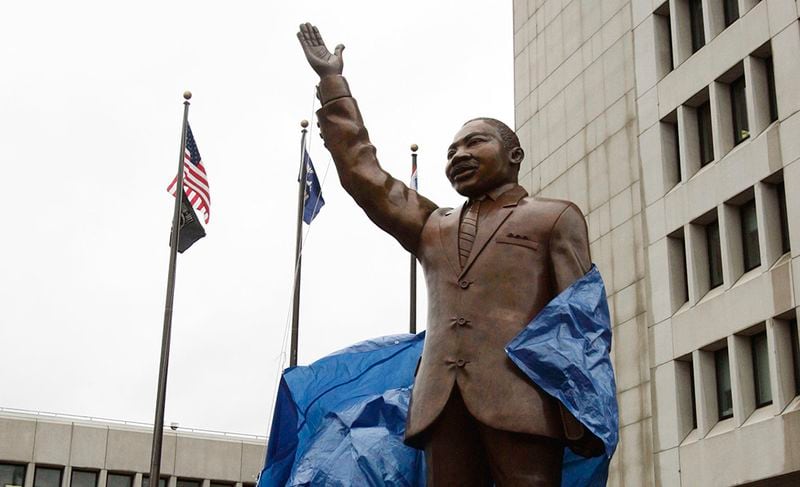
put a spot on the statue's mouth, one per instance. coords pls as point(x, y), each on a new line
point(462, 170)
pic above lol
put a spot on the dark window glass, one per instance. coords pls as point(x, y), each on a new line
point(696, 21)
point(119, 480)
point(714, 255)
point(694, 402)
point(704, 135)
point(685, 272)
point(741, 130)
point(747, 212)
point(669, 41)
point(220, 484)
point(731, 8)
point(47, 477)
point(795, 355)
point(188, 483)
point(724, 393)
point(12, 475)
point(162, 482)
point(83, 478)
point(773, 98)
point(781, 190)
point(761, 369)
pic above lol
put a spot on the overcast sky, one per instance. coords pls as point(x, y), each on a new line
point(90, 113)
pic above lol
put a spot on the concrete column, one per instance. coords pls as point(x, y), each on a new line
point(688, 141)
point(769, 223)
point(29, 473)
point(65, 479)
point(742, 384)
point(781, 370)
point(705, 386)
point(785, 46)
point(681, 31)
point(102, 478)
point(757, 94)
point(713, 18)
point(721, 118)
point(730, 235)
point(137, 480)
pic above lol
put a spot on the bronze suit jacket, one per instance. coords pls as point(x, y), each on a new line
point(526, 251)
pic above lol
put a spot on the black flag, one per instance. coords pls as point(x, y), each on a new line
point(189, 226)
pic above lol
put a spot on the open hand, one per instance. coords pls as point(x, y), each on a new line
point(317, 54)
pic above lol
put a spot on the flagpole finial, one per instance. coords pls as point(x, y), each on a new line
point(304, 123)
point(187, 95)
point(414, 147)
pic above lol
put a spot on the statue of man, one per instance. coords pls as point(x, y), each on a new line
point(490, 266)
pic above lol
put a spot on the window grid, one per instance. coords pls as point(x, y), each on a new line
point(781, 190)
point(715, 277)
point(723, 379)
point(750, 246)
point(739, 111)
point(47, 476)
point(760, 355)
point(731, 9)
point(704, 135)
point(696, 24)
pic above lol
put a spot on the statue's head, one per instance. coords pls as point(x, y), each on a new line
point(485, 154)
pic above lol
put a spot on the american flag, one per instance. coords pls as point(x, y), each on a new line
point(195, 183)
point(414, 181)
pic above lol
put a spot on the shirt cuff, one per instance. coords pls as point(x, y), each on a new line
point(332, 88)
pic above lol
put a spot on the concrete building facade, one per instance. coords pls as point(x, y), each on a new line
point(60, 451)
point(675, 126)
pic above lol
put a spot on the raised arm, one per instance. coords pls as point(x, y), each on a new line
point(392, 205)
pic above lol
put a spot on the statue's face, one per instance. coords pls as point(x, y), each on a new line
point(477, 161)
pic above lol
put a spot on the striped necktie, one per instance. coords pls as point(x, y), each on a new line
point(467, 231)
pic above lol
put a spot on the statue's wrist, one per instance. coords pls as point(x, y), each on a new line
point(332, 87)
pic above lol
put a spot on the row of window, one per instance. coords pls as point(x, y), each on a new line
point(688, 24)
point(13, 475)
point(741, 245)
point(718, 118)
point(752, 362)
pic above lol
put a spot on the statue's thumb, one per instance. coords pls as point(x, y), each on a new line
point(338, 50)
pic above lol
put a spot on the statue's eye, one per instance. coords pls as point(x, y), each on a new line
point(451, 153)
point(474, 141)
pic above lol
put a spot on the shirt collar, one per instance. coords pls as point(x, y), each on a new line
point(497, 192)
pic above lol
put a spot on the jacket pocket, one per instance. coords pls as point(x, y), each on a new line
point(522, 242)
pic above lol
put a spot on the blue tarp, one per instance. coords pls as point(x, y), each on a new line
point(340, 421)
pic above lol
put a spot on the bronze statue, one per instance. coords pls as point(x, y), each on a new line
point(490, 266)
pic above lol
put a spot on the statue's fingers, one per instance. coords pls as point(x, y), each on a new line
point(305, 30)
point(317, 35)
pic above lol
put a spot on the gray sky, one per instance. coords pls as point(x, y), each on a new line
point(90, 111)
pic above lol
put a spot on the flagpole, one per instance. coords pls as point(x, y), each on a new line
point(301, 192)
point(158, 425)
point(412, 312)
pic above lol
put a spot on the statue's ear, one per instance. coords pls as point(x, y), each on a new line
point(516, 155)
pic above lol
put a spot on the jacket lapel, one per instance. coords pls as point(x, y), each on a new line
point(448, 233)
point(489, 223)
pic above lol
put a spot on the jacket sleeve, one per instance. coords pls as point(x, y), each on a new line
point(570, 258)
point(390, 204)
point(569, 248)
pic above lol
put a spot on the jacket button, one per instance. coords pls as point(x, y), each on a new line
point(464, 284)
point(460, 363)
point(461, 321)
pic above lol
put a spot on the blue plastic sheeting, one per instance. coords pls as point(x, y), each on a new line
point(565, 351)
point(340, 421)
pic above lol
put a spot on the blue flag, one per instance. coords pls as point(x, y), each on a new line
point(313, 200)
point(340, 421)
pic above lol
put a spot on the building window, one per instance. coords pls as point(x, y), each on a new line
point(12, 475)
point(731, 8)
point(220, 484)
point(83, 478)
point(704, 133)
point(760, 352)
point(781, 190)
point(739, 111)
point(119, 480)
point(795, 355)
point(773, 98)
point(162, 482)
point(47, 477)
point(663, 31)
point(714, 255)
point(752, 257)
point(188, 483)
point(724, 392)
point(696, 21)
